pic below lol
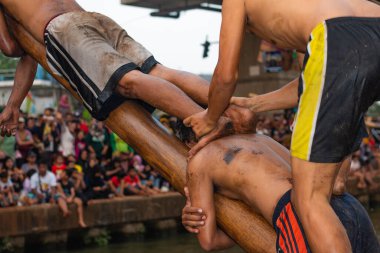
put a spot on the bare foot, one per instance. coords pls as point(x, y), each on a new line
point(82, 224)
point(66, 214)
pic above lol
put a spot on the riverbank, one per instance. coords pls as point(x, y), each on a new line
point(42, 227)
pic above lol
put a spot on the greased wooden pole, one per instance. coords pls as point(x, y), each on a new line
point(166, 154)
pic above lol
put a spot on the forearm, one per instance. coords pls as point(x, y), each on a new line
point(284, 98)
point(25, 73)
point(219, 97)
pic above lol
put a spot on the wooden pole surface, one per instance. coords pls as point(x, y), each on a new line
point(168, 156)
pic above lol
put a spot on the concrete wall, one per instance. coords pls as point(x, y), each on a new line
point(21, 221)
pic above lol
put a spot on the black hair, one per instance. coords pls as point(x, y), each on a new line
point(184, 133)
point(43, 162)
point(4, 174)
point(30, 173)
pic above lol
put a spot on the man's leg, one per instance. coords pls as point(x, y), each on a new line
point(313, 184)
point(157, 92)
point(194, 86)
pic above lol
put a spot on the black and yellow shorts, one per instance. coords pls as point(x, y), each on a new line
point(340, 80)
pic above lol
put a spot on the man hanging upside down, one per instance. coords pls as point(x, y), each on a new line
point(102, 63)
point(255, 169)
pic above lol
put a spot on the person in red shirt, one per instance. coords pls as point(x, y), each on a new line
point(131, 185)
point(59, 165)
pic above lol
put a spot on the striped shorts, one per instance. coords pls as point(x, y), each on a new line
point(291, 237)
point(93, 53)
point(340, 80)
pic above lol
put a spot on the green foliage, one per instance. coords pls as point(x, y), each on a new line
point(374, 110)
point(6, 245)
point(102, 239)
point(7, 63)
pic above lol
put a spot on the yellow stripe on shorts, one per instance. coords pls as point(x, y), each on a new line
point(313, 83)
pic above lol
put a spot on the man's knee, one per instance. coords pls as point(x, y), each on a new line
point(128, 84)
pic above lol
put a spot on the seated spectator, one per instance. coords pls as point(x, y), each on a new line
point(27, 197)
point(114, 169)
point(17, 180)
point(7, 194)
point(97, 186)
point(356, 171)
point(98, 140)
point(24, 140)
point(79, 185)
point(366, 160)
point(44, 184)
point(31, 163)
point(66, 190)
point(80, 143)
point(7, 146)
point(58, 165)
point(9, 164)
point(72, 163)
point(150, 179)
point(115, 184)
point(131, 185)
point(83, 161)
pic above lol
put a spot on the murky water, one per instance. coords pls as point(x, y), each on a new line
point(174, 243)
point(181, 243)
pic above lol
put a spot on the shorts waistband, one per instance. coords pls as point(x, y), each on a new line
point(344, 20)
point(284, 200)
point(56, 16)
point(60, 15)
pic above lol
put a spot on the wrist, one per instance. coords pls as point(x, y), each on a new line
point(256, 104)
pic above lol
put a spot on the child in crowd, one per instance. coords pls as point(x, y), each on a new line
point(7, 194)
point(66, 189)
point(58, 165)
point(80, 143)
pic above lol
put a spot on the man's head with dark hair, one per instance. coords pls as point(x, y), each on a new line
point(184, 133)
point(43, 166)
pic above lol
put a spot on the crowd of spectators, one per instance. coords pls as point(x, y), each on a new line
point(58, 157)
point(364, 165)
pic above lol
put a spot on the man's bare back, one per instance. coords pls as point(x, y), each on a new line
point(251, 162)
point(288, 23)
point(34, 15)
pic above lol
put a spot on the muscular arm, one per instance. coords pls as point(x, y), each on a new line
point(202, 195)
point(284, 98)
point(25, 73)
point(225, 76)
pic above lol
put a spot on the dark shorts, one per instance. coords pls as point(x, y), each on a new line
point(93, 53)
point(340, 80)
point(291, 237)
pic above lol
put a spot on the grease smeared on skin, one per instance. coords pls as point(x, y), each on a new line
point(255, 152)
point(230, 154)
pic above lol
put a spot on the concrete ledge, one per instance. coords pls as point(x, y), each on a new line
point(21, 221)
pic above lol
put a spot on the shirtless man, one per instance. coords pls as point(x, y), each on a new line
point(255, 169)
point(338, 84)
point(102, 63)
